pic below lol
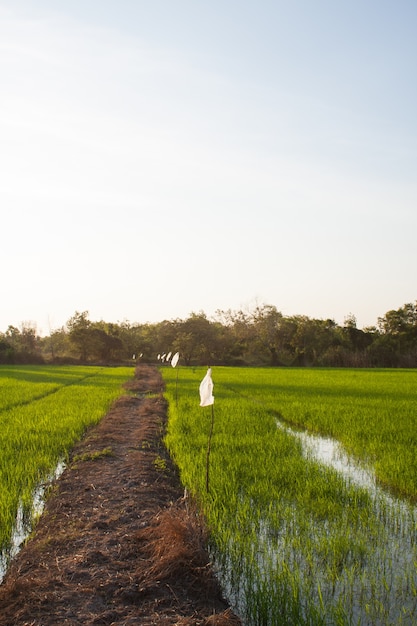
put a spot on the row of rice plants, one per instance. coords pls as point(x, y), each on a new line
point(20, 384)
point(294, 542)
point(373, 413)
point(57, 405)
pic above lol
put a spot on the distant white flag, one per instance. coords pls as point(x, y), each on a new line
point(206, 390)
point(169, 355)
point(174, 359)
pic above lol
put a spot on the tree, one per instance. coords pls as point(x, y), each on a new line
point(258, 337)
point(6, 350)
point(197, 339)
point(238, 337)
point(267, 320)
point(80, 336)
point(397, 341)
point(24, 344)
point(311, 339)
point(103, 345)
point(57, 346)
point(401, 321)
point(355, 340)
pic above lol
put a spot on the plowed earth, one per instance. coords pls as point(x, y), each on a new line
point(117, 542)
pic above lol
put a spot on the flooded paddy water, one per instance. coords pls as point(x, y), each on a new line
point(23, 524)
point(374, 582)
point(395, 556)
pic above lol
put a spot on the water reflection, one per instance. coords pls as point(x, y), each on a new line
point(388, 578)
point(23, 526)
point(331, 453)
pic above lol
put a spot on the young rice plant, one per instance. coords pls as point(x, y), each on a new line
point(44, 410)
point(293, 541)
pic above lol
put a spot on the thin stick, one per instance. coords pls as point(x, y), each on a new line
point(209, 448)
point(176, 389)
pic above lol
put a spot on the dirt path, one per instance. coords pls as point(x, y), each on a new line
point(117, 543)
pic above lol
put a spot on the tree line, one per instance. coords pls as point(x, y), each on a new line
point(260, 337)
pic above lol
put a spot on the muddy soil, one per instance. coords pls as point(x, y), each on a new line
point(117, 543)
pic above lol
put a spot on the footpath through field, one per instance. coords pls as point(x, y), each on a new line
point(117, 543)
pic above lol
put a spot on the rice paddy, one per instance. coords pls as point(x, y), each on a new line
point(296, 539)
point(44, 410)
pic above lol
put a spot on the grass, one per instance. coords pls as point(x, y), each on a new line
point(373, 413)
point(295, 543)
point(44, 410)
point(93, 456)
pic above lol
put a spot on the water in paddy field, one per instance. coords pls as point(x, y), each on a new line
point(22, 527)
point(389, 578)
point(330, 452)
point(289, 575)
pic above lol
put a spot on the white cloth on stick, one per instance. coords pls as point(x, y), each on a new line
point(206, 390)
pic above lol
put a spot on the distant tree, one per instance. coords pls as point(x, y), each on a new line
point(258, 337)
point(165, 336)
point(312, 339)
point(397, 340)
point(24, 343)
point(238, 337)
point(128, 334)
point(57, 345)
point(266, 320)
point(6, 350)
point(94, 340)
point(197, 339)
point(401, 321)
point(356, 340)
point(150, 343)
point(105, 343)
point(13, 338)
point(29, 339)
point(80, 335)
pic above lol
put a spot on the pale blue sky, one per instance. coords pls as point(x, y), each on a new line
point(164, 157)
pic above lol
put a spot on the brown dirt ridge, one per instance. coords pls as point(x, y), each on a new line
point(117, 542)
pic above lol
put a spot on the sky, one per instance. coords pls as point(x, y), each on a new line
point(169, 157)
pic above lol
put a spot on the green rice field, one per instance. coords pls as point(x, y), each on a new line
point(294, 539)
point(44, 410)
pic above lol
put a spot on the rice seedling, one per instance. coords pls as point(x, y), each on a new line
point(21, 384)
point(373, 413)
point(293, 540)
point(43, 412)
